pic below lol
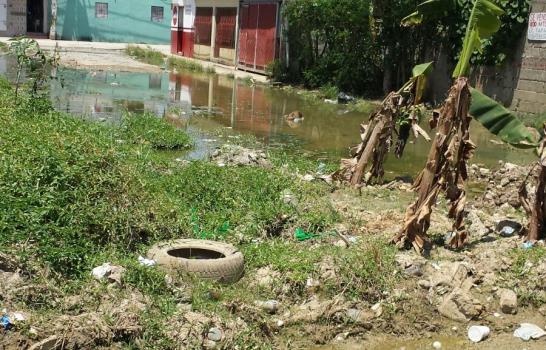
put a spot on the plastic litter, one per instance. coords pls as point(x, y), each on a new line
point(146, 262)
point(19, 317)
point(5, 322)
point(478, 333)
point(527, 245)
point(437, 345)
point(321, 168)
point(344, 98)
point(507, 231)
point(102, 271)
point(301, 235)
point(528, 331)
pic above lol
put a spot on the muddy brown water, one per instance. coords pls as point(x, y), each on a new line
point(211, 102)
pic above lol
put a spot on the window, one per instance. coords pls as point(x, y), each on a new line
point(157, 14)
point(101, 10)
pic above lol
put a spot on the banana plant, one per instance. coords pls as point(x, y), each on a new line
point(400, 108)
point(446, 167)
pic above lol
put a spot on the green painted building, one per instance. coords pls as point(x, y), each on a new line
point(132, 21)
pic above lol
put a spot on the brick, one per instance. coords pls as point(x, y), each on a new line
point(532, 74)
point(530, 107)
point(530, 96)
point(529, 85)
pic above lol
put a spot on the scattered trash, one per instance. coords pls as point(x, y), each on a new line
point(270, 306)
point(437, 345)
point(344, 98)
point(308, 177)
point(106, 270)
point(289, 198)
point(496, 314)
point(19, 317)
point(215, 334)
point(528, 331)
point(146, 262)
point(5, 322)
point(508, 228)
point(448, 236)
point(312, 285)
point(301, 235)
point(478, 333)
point(102, 271)
point(527, 245)
point(280, 323)
point(327, 100)
point(321, 168)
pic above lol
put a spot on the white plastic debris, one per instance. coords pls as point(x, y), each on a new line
point(528, 331)
point(146, 262)
point(308, 177)
point(102, 271)
point(19, 317)
point(437, 345)
point(478, 333)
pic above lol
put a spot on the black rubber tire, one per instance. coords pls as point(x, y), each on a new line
point(226, 269)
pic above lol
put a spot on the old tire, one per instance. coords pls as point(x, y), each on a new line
point(207, 259)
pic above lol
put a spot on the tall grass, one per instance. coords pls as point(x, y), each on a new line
point(146, 55)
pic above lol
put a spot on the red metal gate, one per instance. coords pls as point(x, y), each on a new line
point(257, 36)
point(225, 29)
point(203, 25)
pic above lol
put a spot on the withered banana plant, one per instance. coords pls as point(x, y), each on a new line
point(445, 172)
point(445, 169)
point(399, 113)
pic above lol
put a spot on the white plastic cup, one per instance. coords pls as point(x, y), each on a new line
point(478, 333)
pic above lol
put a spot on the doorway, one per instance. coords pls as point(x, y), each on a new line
point(35, 16)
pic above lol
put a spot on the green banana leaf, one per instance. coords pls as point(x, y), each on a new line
point(420, 73)
point(421, 69)
point(484, 21)
point(427, 10)
point(500, 121)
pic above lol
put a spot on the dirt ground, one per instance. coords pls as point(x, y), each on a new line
point(105, 60)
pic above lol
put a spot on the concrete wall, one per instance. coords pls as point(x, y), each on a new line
point(16, 18)
point(530, 92)
point(128, 21)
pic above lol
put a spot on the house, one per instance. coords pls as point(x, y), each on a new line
point(24, 17)
point(245, 34)
point(132, 21)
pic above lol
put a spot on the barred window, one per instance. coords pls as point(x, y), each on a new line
point(101, 10)
point(157, 13)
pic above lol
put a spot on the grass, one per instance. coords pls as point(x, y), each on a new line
point(75, 194)
point(3, 47)
point(181, 65)
point(146, 55)
point(149, 129)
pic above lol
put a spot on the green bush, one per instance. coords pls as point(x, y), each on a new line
point(148, 129)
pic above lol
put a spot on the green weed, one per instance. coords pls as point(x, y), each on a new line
point(149, 129)
point(146, 55)
point(181, 65)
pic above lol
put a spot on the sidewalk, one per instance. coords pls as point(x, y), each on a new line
point(74, 49)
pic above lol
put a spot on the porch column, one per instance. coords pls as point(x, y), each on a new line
point(236, 37)
point(213, 34)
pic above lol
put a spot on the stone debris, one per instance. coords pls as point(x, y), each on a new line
point(232, 155)
point(508, 301)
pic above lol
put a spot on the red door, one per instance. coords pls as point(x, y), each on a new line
point(257, 36)
point(203, 25)
point(225, 29)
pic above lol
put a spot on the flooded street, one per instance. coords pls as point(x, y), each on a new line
point(209, 103)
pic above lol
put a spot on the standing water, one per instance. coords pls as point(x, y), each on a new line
point(208, 102)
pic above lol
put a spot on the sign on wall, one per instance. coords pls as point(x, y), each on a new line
point(537, 26)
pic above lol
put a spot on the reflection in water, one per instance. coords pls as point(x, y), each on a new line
point(207, 102)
